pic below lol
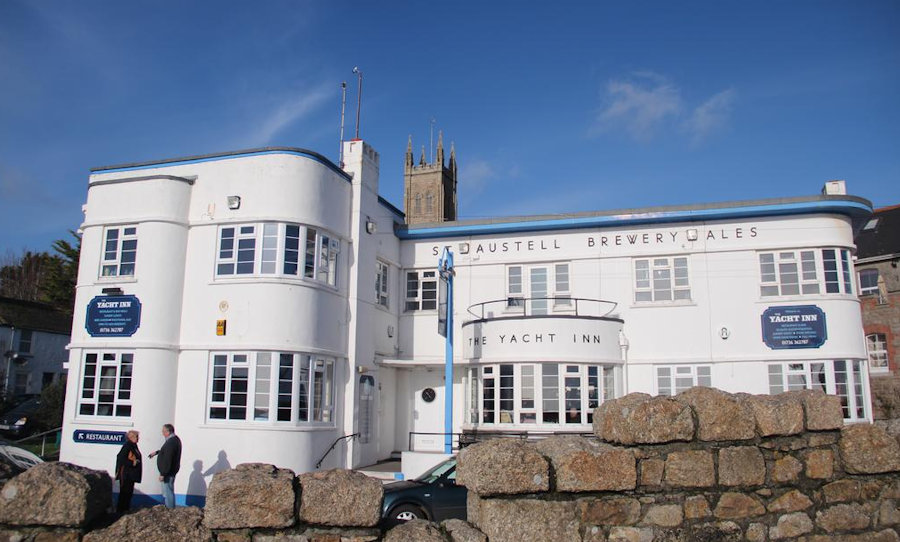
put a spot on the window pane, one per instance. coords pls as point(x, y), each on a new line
point(550, 389)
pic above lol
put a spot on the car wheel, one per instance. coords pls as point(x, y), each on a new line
point(407, 512)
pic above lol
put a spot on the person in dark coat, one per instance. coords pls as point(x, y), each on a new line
point(129, 469)
point(169, 463)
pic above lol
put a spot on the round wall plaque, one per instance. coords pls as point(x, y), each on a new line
point(428, 395)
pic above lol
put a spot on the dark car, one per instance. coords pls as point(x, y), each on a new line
point(433, 496)
point(15, 422)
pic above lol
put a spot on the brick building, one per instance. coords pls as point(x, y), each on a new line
point(878, 253)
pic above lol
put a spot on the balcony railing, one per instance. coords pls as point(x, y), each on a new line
point(517, 307)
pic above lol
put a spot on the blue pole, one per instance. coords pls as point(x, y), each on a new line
point(448, 370)
point(445, 265)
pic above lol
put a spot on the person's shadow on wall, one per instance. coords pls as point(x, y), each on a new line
point(196, 490)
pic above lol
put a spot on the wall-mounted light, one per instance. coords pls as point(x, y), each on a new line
point(234, 202)
point(692, 234)
point(724, 333)
point(112, 291)
point(390, 331)
point(371, 227)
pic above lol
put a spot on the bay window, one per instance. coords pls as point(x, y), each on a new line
point(287, 387)
point(273, 248)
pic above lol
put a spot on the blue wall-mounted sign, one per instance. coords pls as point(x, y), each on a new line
point(99, 437)
point(797, 326)
point(113, 316)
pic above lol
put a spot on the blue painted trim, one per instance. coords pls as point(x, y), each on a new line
point(399, 476)
point(224, 156)
point(853, 209)
point(144, 500)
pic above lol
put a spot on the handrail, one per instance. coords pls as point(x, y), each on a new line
point(521, 306)
point(333, 444)
point(43, 439)
point(36, 435)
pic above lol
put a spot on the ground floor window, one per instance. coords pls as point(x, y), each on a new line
point(844, 378)
point(271, 387)
point(672, 380)
point(106, 384)
point(539, 393)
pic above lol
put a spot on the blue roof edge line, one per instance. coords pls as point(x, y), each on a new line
point(850, 208)
point(296, 151)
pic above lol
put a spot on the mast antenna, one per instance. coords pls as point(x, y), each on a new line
point(431, 147)
point(343, 106)
point(358, 73)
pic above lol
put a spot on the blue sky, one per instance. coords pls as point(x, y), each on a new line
point(556, 107)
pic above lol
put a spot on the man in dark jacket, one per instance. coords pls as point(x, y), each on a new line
point(168, 463)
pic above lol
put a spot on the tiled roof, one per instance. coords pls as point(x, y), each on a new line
point(884, 238)
point(33, 316)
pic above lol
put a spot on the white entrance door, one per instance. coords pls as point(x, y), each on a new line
point(367, 427)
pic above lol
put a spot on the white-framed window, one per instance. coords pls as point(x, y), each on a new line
point(287, 387)
point(274, 248)
point(674, 379)
point(868, 281)
point(421, 290)
point(532, 288)
point(532, 394)
point(119, 251)
point(844, 378)
point(106, 383)
point(562, 294)
point(382, 271)
point(805, 272)
point(26, 338)
point(876, 345)
point(661, 279)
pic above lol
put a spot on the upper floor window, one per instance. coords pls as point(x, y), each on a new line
point(661, 279)
point(876, 344)
point(274, 248)
point(271, 387)
point(868, 281)
point(119, 251)
point(106, 384)
point(533, 287)
point(26, 336)
point(804, 272)
point(421, 290)
point(381, 283)
point(672, 380)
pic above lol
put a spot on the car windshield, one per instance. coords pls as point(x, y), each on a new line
point(438, 471)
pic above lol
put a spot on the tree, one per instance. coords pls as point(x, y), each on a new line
point(58, 288)
point(39, 276)
point(23, 276)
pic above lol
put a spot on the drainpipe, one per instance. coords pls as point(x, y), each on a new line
point(623, 347)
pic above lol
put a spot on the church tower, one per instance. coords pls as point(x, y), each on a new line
point(430, 189)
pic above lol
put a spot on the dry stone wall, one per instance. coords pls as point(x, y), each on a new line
point(702, 466)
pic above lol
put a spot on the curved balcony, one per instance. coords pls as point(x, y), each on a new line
point(543, 329)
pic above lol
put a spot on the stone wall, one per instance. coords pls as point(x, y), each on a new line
point(705, 465)
point(702, 466)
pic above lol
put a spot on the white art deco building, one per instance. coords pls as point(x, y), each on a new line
point(275, 309)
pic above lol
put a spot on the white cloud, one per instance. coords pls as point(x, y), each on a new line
point(711, 116)
point(645, 105)
point(474, 176)
point(287, 112)
point(639, 106)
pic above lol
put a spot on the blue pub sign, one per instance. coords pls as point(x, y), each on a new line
point(113, 316)
point(796, 326)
